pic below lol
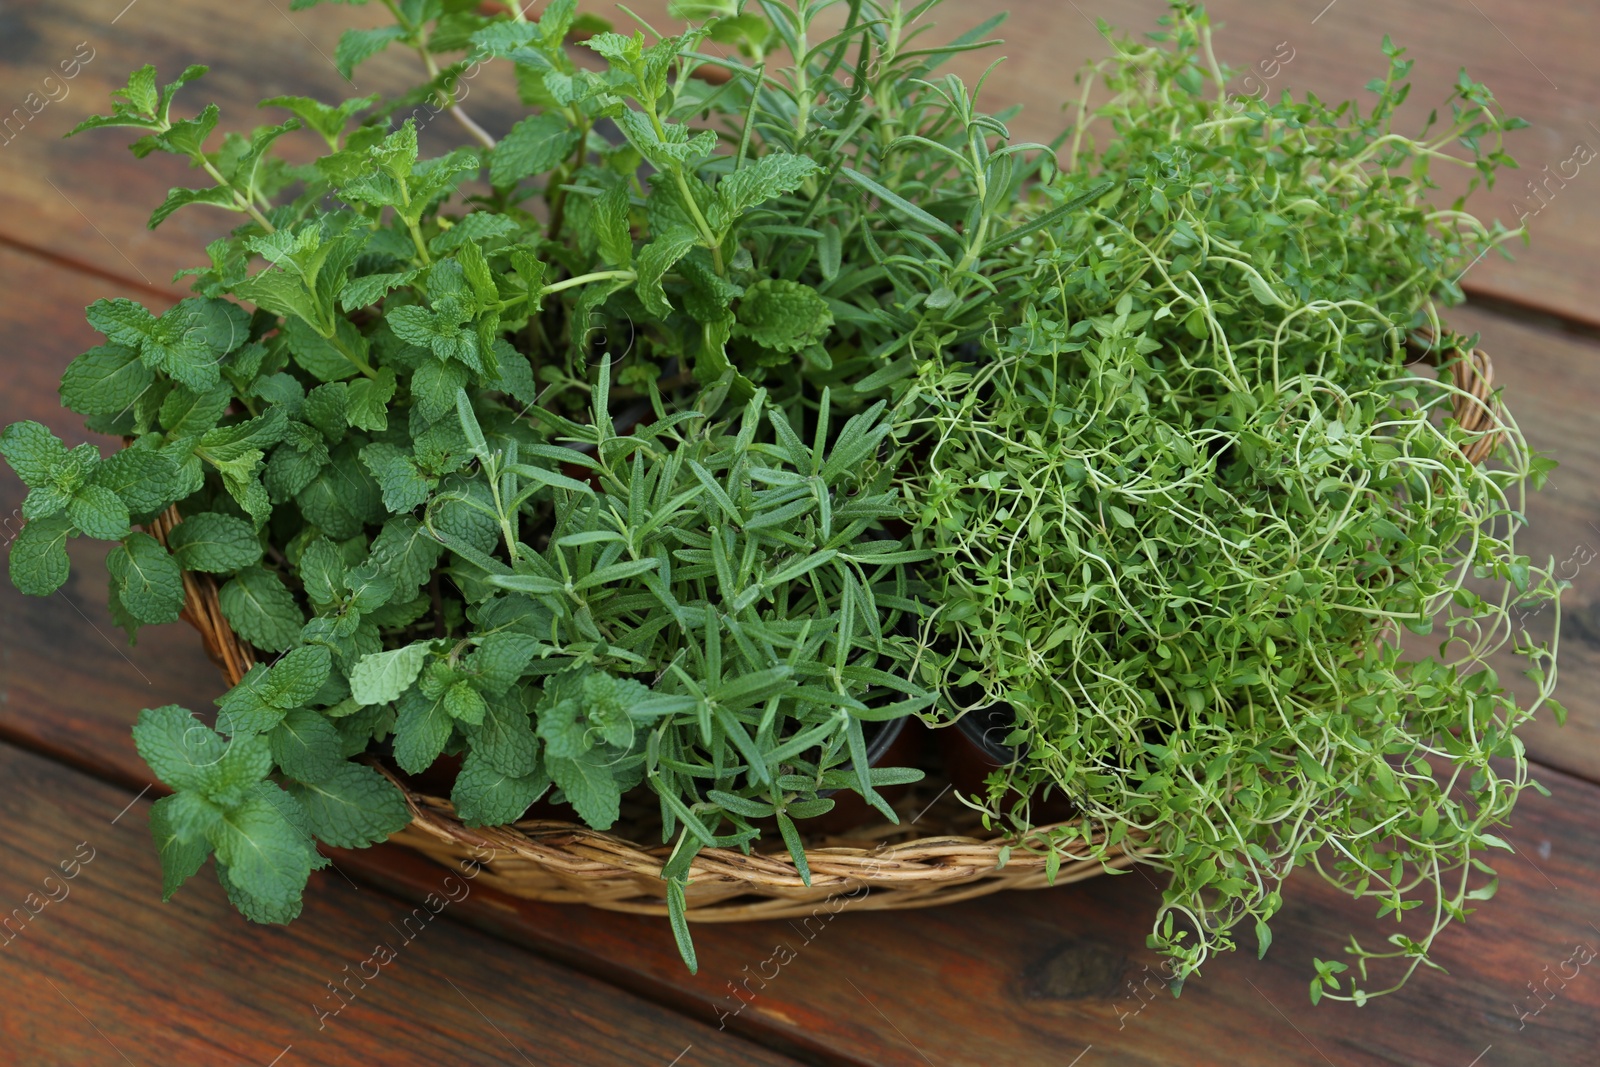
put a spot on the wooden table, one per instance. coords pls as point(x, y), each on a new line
point(106, 974)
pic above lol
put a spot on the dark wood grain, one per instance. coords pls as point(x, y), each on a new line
point(1024, 978)
point(1552, 386)
point(87, 198)
point(93, 967)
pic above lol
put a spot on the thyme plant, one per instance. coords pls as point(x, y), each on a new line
point(1194, 496)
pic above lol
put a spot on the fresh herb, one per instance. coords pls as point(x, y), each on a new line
point(1195, 497)
point(403, 470)
point(725, 406)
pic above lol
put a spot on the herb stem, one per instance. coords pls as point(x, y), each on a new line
point(585, 279)
point(691, 205)
point(360, 364)
point(238, 197)
point(446, 97)
point(558, 201)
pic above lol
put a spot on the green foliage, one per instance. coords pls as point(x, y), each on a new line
point(672, 462)
point(1198, 515)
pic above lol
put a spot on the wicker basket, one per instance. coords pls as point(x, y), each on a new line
point(939, 852)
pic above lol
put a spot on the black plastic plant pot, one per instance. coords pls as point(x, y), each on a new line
point(895, 743)
point(987, 729)
point(975, 748)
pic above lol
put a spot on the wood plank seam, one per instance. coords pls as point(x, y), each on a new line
point(664, 996)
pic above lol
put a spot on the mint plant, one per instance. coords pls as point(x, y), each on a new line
point(728, 404)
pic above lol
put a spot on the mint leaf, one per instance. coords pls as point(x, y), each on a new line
point(261, 609)
point(241, 769)
point(327, 408)
point(177, 197)
point(784, 316)
point(258, 909)
point(465, 704)
point(516, 377)
point(322, 573)
point(181, 837)
point(533, 146)
point(421, 730)
point(241, 478)
point(297, 676)
point(342, 498)
point(186, 342)
point(612, 227)
point(607, 700)
point(367, 401)
point(39, 563)
point(135, 105)
point(562, 724)
point(659, 257)
point(75, 468)
point(529, 280)
point(325, 358)
point(193, 816)
point(484, 796)
point(144, 480)
point(186, 412)
point(510, 40)
point(215, 543)
point(244, 438)
point(440, 330)
point(755, 183)
point(357, 46)
point(185, 137)
point(623, 51)
point(306, 747)
point(327, 121)
point(406, 552)
point(353, 807)
point(149, 579)
point(181, 750)
point(434, 387)
point(245, 710)
point(665, 153)
point(104, 380)
point(363, 292)
point(479, 226)
point(35, 453)
point(590, 787)
point(268, 860)
point(475, 269)
point(295, 464)
point(99, 513)
point(404, 486)
point(499, 660)
point(370, 588)
point(381, 677)
point(505, 739)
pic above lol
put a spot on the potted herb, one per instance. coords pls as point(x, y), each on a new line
point(1229, 564)
point(724, 409)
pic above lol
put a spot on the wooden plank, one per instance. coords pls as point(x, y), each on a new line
point(106, 971)
point(1040, 977)
point(1552, 387)
point(1023, 978)
point(88, 198)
